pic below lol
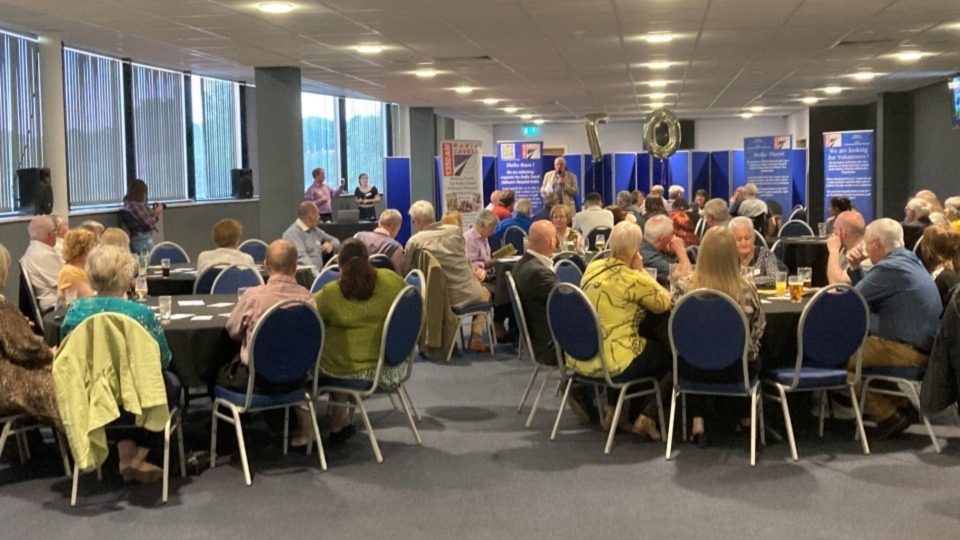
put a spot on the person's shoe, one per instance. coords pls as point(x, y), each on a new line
point(896, 423)
point(622, 423)
point(647, 426)
point(579, 403)
point(142, 473)
point(336, 438)
point(477, 345)
point(699, 439)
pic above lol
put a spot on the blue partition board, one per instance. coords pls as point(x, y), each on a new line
point(720, 175)
point(488, 168)
point(575, 164)
point(397, 181)
point(624, 175)
point(592, 176)
point(643, 172)
point(799, 177)
point(607, 179)
point(677, 171)
point(700, 169)
point(739, 176)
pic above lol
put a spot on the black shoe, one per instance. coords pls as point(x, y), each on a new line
point(897, 423)
point(582, 406)
point(700, 440)
point(336, 438)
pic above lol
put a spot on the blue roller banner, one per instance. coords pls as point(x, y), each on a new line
point(520, 168)
point(768, 162)
point(848, 169)
point(397, 178)
point(720, 174)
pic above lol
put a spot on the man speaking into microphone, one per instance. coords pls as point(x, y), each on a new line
point(563, 183)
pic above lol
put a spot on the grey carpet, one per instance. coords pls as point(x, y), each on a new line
point(480, 474)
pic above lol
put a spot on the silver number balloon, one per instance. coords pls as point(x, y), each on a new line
point(650, 124)
point(592, 120)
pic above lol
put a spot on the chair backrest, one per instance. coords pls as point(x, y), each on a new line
point(592, 237)
point(28, 300)
point(514, 235)
point(168, 250)
point(402, 327)
point(328, 274)
point(758, 239)
point(916, 247)
point(233, 277)
point(692, 252)
point(571, 256)
point(798, 213)
point(416, 280)
point(708, 331)
point(518, 315)
point(832, 328)
point(204, 282)
point(567, 272)
point(332, 261)
point(794, 228)
point(286, 344)
point(701, 228)
point(760, 222)
point(575, 327)
point(379, 260)
point(601, 255)
point(255, 248)
point(777, 250)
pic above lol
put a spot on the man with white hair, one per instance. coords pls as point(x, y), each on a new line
point(660, 248)
point(563, 183)
point(382, 240)
point(916, 218)
point(41, 262)
point(905, 316)
point(951, 211)
point(521, 218)
point(673, 193)
point(446, 244)
point(715, 213)
point(314, 246)
point(494, 199)
point(751, 206)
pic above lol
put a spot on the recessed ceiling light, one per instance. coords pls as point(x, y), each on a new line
point(746, 115)
point(910, 56)
point(657, 95)
point(832, 90)
point(660, 64)
point(369, 49)
point(510, 110)
point(810, 100)
point(657, 84)
point(491, 101)
point(864, 75)
point(426, 73)
point(756, 109)
point(659, 37)
point(463, 89)
point(275, 7)
point(657, 105)
point(539, 121)
point(526, 116)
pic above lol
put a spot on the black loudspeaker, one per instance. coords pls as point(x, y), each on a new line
point(36, 193)
point(241, 181)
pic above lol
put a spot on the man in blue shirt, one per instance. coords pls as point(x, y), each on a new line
point(904, 317)
point(521, 218)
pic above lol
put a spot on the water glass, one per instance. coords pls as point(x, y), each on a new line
point(240, 291)
point(746, 273)
point(671, 276)
point(806, 274)
point(144, 261)
point(822, 229)
point(166, 306)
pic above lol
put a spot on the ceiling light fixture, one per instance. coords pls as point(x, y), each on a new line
point(756, 109)
point(539, 121)
point(864, 75)
point(657, 95)
point(810, 100)
point(275, 7)
point(526, 116)
point(491, 101)
point(658, 65)
point(657, 84)
point(426, 73)
point(746, 115)
point(510, 110)
point(657, 105)
point(832, 90)
point(463, 89)
point(910, 56)
point(659, 37)
point(369, 49)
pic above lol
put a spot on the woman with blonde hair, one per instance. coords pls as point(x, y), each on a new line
point(718, 268)
point(115, 236)
point(453, 217)
point(73, 277)
point(560, 217)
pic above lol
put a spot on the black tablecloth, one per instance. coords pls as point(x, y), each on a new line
point(342, 231)
point(778, 346)
point(807, 251)
point(199, 348)
point(183, 276)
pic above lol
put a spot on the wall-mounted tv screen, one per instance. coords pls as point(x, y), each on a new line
point(955, 87)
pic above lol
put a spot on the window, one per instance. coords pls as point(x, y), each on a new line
point(93, 99)
point(159, 132)
point(216, 136)
point(20, 123)
point(366, 141)
point(321, 146)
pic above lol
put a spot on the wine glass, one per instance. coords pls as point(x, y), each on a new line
point(141, 287)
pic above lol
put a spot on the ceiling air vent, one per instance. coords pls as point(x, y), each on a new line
point(463, 60)
point(860, 43)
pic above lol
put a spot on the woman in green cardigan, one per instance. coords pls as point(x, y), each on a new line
point(354, 310)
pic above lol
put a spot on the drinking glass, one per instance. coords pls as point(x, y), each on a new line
point(672, 268)
point(796, 288)
point(69, 297)
point(165, 267)
point(601, 242)
point(781, 284)
point(240, 291)
point(652, 272)
point(144, 261)
point(141, 287)
point(166, 306)
point(822, 229)
point(806, 273)
point(746, 273)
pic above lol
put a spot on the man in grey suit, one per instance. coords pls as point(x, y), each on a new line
point(563, 183)
point(314, 247)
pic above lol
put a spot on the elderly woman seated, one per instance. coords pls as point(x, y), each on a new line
point(110, 269)
point(757, 261)
point(940, 246)
point(115, 236)
point(354, 310)
point(73, 278)
point(226, 235)
point(623, 295)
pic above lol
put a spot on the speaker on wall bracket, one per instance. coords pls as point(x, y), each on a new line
point(36, 193)
point(241, 181)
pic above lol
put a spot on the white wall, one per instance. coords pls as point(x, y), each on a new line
point(614, 137)
point(728, 133)
point(465, 131)
point(799, 125)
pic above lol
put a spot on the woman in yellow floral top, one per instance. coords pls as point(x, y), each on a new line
point(623, 295)
point(718, 268)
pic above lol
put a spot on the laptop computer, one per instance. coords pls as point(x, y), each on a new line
point(348, 216)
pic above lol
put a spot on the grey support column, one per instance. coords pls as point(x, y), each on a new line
point(279, 139)
point(54, 119)
point(423, 151)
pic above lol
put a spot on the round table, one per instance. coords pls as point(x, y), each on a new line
point(184, 275)
point(199, 347)
point(778, 346)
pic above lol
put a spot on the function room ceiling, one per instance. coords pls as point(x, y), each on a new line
point(553, 59)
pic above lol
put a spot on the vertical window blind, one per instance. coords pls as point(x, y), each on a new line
point(93, 99)
point(21, 139)
point(321, 137)
point(216, 135)
point(366, 140)
point(159, 132)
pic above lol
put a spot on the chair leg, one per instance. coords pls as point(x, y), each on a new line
point(824, 396)
point(5, 433)
point(22, 447)
point(182, 454)
point(316, 435)
point(413, 407)
point(393, 402)
point(659, 398)
point(523, 400)
point(616, 419)
point(857, 411)
point(413, 425)
point(788, 422)
point(536, 400)
point(491, 333)
point(370, 434)
point(563, 405)
point(242, 445)
point(453, 343)
point(63, 453)
point(915, 400)
point(76, 479)
point(673, 412)
point(166, 461)
point(520, 338)
point(213, 435)
point(753, 427)
point(286, 429)
point(683, 412)
point(863, 401)
point(760, 420)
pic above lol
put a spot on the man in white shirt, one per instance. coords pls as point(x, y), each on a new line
point(751, 207)
point(593, 215)
point(226, 235)
point(313, 245)
point(41, 262)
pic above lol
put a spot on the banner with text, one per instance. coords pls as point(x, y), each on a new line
point(848, 170)
point(462, 178)
point(768, 165)
point(520, 168)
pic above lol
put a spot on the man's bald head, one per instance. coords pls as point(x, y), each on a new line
point(542, 237)
point(281, 258)
point(850, 226)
